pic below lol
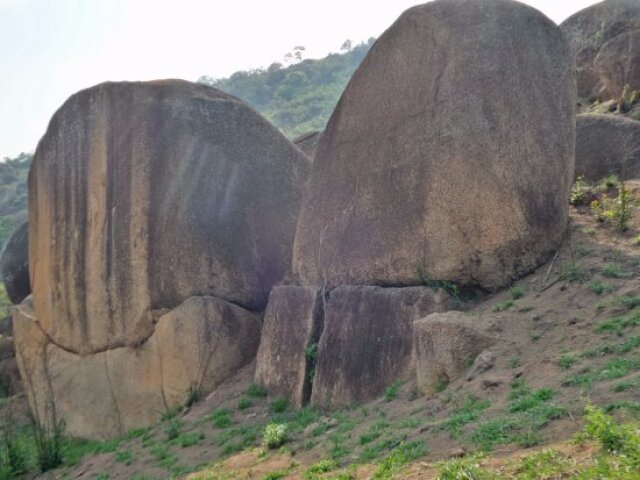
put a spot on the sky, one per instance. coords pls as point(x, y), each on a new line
point(49, 49)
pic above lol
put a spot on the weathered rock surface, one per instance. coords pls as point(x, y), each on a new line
point(142, 195)
point(14, 265)
point(292, 325)
point(433, 162)
point(308, 143)
point(607, 144)
point(618, 64)
point(197, 345)
point(446, 345)
point(589, 30)
point(366, 343)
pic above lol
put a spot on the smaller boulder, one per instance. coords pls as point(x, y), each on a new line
point(446, 346)
point(605, 145)
point(366, 344)
point(618, 64)
point(14, 265)
point(286, 357)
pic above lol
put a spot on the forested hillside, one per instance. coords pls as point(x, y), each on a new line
point(298, 98)
point(13, 193)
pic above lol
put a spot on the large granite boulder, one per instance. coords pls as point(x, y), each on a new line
point(433, 165)
point(366, 342)
point(618, 64)
point(589, 30)
point(142, 195)
point(161, 215)
point(607, 144)
point(14, 265)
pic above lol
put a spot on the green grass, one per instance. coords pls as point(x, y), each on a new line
point(256, 391)
point(466, 413)
point(614, 369)
point(567, 361)
point(517, 292)
point(392, 391)
point(189, 439)
point(613, 348)
point(221, 418)
point(528, 400)
point(494, 432)
point(374, 432)
point(124, 456)
point(600, 288)
point(573, 272)
point(278, 405)
point(612, 271)
point(500, 307)
point(244, 403)
point(399, 457)
point(617, 325)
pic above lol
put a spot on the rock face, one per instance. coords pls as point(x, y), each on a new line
point(162, 214)
point(446, 345)
point(607, 144)
point(618, 63)
point(144, 194)
point(432, 166)
point(197, 345)
point(14, 265)
point(292, 326)
point(366, 343)
point(308, 143)
point(588, 31)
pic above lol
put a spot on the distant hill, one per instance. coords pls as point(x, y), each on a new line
point(13, 193)
point(298, 98)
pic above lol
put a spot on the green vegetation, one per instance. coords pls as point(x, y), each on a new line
point(298, 98)
point(612, 271)
point(517, 292)
point(244, 403)
point(221, 418)
point(392, 391)
point(13, 194)
point(466, 413)
point(617, 325)
point(578, 193)
point(256, 391)
point(504, 306)
point(573, 272)
point(278, 405)
point(275, 435)
point(599, 288)
point(398, 458)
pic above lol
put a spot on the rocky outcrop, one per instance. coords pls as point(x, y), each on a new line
point(195, 346)
point(588, 31)
point(308, 143)
point(142, 195)
point(432, 165)
point(14, 265)
point(446, 346)
point(161, 215)
point(285, 363)
point(366, 342)
point(605, 145)
point(618, 64)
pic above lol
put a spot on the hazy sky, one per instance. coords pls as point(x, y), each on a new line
point(49, 49)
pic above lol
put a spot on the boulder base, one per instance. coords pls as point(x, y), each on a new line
point(196, 346)
point(366, 343)
point(292, 326)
